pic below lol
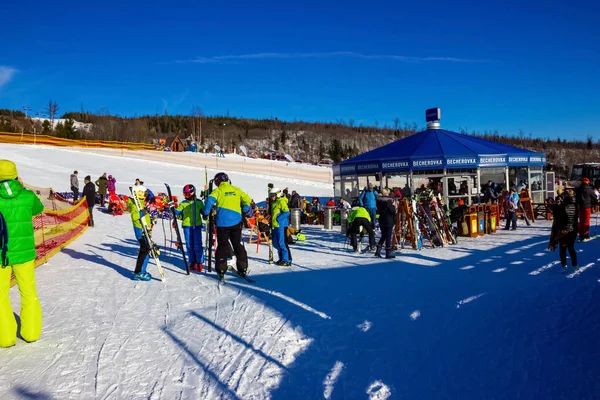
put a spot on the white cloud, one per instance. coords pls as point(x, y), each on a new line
point(6, 74)
point(347, 54)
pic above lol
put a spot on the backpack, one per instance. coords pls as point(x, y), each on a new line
point(3, 241)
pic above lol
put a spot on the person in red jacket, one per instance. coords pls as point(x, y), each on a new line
point(17, 255)
point(330, 203)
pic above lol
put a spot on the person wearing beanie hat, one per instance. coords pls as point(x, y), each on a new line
point(89, 192)
point(368, 200)
point(18, 206)
point(75, 186)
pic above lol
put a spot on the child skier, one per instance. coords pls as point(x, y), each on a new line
point(136, 217)
point(279, 217)
point(190, 212)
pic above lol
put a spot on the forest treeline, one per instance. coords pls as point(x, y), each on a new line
point(308, 141)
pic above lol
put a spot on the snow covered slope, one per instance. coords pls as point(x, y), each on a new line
point(45, 166)
point(490, 318)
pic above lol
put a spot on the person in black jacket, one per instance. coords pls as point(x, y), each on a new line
point(89, 192)
point(564, 228)
point(387, 220)
point(490, 193)
point(296, 201)
point(586, 199)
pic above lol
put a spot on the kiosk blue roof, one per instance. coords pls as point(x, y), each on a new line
point(435, 149)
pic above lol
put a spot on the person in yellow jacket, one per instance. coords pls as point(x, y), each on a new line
point(190, 213)
point(17, 250)
point(230, 203)
point(140, 273)
point(280, 214)
point(359, 217)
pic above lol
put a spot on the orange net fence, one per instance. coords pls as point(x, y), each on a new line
point(58, 225)
point(26, 138)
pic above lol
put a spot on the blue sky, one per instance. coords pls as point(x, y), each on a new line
point(508, 66)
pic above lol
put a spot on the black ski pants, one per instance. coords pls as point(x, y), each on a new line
point(355, 228)
point(567, 242)
point(511, 218)
point(143, 255)
point(386, 236)
point(91, 221)
point(75, 193)
point(225, 236)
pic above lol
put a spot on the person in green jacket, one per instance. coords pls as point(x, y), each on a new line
point(359, 217)
point(102, 184)
point(190, 212)
point(280, 214)
point(18, 206)
point(136, 218)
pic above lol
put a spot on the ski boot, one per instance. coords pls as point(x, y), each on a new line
point(378, 252)
point(389, 254)
point(199, 267)
point(285, 264)
point(146, 276)
point(192, 266)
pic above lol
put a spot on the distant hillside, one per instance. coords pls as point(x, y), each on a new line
point(308, 141)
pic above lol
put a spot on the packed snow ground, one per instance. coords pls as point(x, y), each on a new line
point(494, 317)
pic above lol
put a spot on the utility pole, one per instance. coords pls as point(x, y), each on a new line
point(26, 108)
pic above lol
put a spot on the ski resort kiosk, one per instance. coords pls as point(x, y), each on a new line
point(453, 164)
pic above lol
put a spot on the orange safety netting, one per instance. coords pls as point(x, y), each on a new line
point(59, 224)
point(25, 138)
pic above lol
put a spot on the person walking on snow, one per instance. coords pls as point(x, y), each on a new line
point(75, 186)
point(564, 228)
point(102, 184)
point(512, 205)
point(387, 220)
point(280, 213)
point(586, 199)
point(230, 203)
point(359, 217)
point(368, 200)
point(190, 212)
point(18, 206)
point(89, 192)
point(136, 216)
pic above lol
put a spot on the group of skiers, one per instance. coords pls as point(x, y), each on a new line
point(225, 206)
point(363, 214)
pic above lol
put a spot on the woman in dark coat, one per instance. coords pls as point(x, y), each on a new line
point(564, 228)
point(387, 220)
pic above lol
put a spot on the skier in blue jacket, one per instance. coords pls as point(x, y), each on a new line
point(368, 200)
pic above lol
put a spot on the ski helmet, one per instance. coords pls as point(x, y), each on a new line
point(274, 191)
point(189, 191)
point(140, 192)
point(220, 177)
